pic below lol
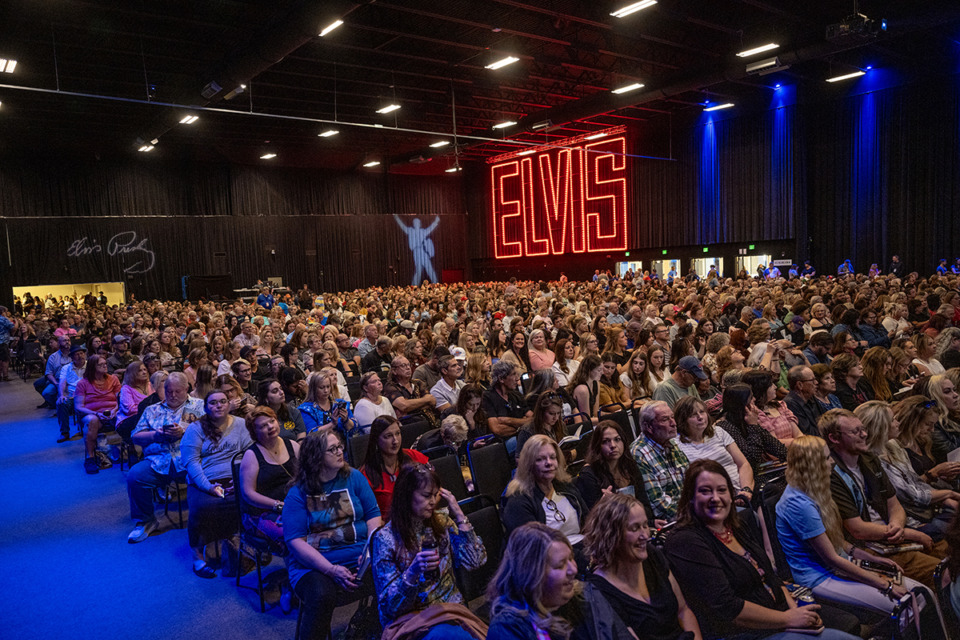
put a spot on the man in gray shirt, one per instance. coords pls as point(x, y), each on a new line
point(681, 383)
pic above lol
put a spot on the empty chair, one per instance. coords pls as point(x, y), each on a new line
point(357, 449)
point(491, 469)
point(410, 431)
point(451, 476)
point(483, 514)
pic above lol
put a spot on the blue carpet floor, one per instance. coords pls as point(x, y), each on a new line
point(67, 570)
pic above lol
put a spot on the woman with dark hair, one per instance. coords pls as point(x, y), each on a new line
point(631, 591)
point(616, 345)
point(470, 408)
point(584, 387)
point(410, 578)
point(656, 365)
point(599, 329)
point(292, 426)
point(564, 365)
point(517, 353)
point(739, 417)
point(844, 343)
point(698, 439)
point(328, 515)
point(95, 402)
point(531, 591)
point(266, 470)
point(384, 459)
point(774, 415)
point(207, 449)
point(547, 420)
point(611, 391)
point(726, 574)
point(610, 468)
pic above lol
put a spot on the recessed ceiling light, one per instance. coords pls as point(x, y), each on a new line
point(442, 143)
point(847, 76)
point(629, 87)
point(330, 27)
point(633, 8)
point(717, 107)
point(502, 63)
point(7, 65)
point(756, 50)
point(268, 156)
point(328, 133)
point(388, 108)
point(372, 163)
point(504, 125)
point(189, 119)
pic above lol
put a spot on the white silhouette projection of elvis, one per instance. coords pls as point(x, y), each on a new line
point(421, 246)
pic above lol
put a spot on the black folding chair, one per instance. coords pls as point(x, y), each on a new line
point(259, 546)
point(483, 514)
point(31, 358)
point(768, 493)
point(451, 476)
point(357, 449)
point(411, 431)
point(491, 469)
point(921, 623)
point(943, 580)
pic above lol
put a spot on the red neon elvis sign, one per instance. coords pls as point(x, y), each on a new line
point(570, 200)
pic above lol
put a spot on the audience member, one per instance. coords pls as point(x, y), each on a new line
point(95, 402)
point(659, 458)
point(383, 460)
point(701, 440)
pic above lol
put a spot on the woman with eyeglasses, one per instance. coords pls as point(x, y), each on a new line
point(384, 458)
point(826, 387)
point(541, 491)
point(631, 591)
point(328, 514)
point(589, 345)
point(372, 404)
point(409, 578)
point(207, 449)
point(726, 575)
point(699, 439)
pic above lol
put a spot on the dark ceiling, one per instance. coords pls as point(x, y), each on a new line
point(108, 73)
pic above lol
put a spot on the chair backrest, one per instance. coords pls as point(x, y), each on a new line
point(438, 452)
point(235, 472)
point(31, 352)
point(126, 427)
point(451, 476)
point(622, 418)
point(411, 431)
point(944, 581)
point(357, 449)
point(353, 389)
point(526, 381)
point(575, 422)
point(906, 626)
point(485, 518)
point(769, 492)
point(491, 469)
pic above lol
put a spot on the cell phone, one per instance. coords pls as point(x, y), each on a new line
point(876, 567)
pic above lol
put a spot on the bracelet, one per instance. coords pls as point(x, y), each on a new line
point(888, 589)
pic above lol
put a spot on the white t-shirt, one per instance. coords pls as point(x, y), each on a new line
point(564, 378)
point(569, 523)
point(366, 412)
point(714, 448)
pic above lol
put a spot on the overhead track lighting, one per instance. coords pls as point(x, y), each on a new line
point(233, 94)
point(762, 65)
point(596, 136)
point(330, 27)
point(527, 152)
point(847, 76)
point(499, 64)
point(752, 52)
point(388, 108)
point(633, 8)
point(452, 169)
point(627, 88)
point(717, 107)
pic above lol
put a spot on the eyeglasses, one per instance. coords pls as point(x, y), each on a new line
point(337, 448)
point(555, 510)
point(218, 403)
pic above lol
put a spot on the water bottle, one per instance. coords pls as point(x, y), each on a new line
point(429, 543)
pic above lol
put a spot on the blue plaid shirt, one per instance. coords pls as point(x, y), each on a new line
point(163, 454)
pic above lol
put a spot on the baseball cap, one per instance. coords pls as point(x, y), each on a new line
point(77, 347)
point(120, 338)
point(459, 353)
point(692, 365)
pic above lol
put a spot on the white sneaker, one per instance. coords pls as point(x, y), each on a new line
point(142, 531)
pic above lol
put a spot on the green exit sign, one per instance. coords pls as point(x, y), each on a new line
point(752, 247)
point(664, 252)
point(706, 249)
point(627, 254)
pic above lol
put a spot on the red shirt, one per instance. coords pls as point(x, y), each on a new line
point(99, 397)
point(384, 494)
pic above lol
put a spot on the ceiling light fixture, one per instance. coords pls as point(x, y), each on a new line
point(596, 136)
point(453, 169)
point(442, 143)
point(268, 156)
point(717, 107)
point(629, 87)
point(847, 76)
point(233, 94)
point(189, 119)
point(527, 152)
point(7, 65)
point(328, 133)
point(752, 52)
point(330, 27)
point(388, 108)
point(504, 125)
point(633, 8)
point(372, 163)
point(761, 65)
point(145, 148)
point(499, 64)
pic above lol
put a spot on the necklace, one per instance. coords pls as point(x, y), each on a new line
point(726, 536)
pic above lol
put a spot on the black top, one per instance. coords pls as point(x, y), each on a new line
point(272, 479)
point(852, 398)
point(754, 441)
point(849, 494)
point(716, 582)
point(654, 621)
point(496, 407)
point(808, 412)
point(592, 481)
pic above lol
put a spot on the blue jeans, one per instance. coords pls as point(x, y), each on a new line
point(827, 634)
point(141, 482)
point(448, 632)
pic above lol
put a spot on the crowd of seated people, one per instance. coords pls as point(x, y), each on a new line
point(845, 388)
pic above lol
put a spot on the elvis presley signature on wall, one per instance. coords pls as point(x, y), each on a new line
point(125, 243)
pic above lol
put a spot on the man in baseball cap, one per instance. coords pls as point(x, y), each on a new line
point(683, 382)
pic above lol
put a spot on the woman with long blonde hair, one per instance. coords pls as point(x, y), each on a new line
point(917, 496)
point(811, 534)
